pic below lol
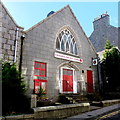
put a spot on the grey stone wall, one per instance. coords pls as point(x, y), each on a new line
point(103, 31)
point(51, 112)
point(40, 45)
point(62, 111)
point(8, 35)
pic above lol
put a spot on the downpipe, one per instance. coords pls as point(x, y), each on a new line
point(16, 41)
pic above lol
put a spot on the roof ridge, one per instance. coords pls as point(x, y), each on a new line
point(67, 6)
point(34, 26)
point(82, 30)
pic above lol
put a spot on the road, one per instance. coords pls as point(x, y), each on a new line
point(111, 116)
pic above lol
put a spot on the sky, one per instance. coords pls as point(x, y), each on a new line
point(27, 14)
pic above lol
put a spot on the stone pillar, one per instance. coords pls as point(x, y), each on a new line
point(33, 101)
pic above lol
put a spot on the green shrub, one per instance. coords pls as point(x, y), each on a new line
point(14, 99)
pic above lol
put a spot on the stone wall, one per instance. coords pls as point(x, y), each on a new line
point(19, 117)
point(51, 112)
point(103, 31)
point(0, 31)
point(62, 111)
point(8, 36)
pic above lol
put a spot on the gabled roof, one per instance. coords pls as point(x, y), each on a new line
point(10, 16)
point(44, 20)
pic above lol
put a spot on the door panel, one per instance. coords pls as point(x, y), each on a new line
point(89, 81)
point(67, 80)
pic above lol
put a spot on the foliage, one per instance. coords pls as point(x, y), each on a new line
point(13, 90)
point(108, 45)
point(111, 62)
point(45, 102)
point(41, 92)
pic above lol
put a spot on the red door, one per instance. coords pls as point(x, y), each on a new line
point(89, 81)
point(67, 80)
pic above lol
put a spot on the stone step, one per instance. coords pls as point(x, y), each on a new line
point(81, 98)
point(73, 98)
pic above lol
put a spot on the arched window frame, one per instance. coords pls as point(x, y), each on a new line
point(65, 39)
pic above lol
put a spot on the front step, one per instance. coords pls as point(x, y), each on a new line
point(78, 97)
point(72, 98)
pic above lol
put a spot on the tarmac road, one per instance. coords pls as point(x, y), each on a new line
point(111, 116)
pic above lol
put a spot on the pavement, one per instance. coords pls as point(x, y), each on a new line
point(95, 113)
point(94, 108)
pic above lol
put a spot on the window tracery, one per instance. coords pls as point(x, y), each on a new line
point(66, 42)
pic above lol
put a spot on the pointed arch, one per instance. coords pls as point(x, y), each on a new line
point(66, 42)
point(58, 44)
point(75, 49)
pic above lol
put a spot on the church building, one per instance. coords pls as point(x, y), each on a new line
point(54, 54)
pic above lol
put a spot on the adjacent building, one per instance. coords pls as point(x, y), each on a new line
point(103, 31)
point(10, 36)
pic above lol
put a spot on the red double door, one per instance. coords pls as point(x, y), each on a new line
point(89, 81)
point(67, 80)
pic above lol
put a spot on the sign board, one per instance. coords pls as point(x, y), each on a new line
point(94, 61)
point(68, 57)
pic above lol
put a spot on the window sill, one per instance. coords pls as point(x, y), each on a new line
point(67, 53)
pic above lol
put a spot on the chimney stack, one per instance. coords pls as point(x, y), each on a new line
point(101, 21)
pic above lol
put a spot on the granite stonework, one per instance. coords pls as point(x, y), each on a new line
point(40, 45)
point(103, 31)
point(8, 36)
point(61, 111)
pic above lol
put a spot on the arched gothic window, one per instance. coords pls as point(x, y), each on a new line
point(66, 42)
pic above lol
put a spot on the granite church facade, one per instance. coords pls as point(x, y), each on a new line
point(54, 54)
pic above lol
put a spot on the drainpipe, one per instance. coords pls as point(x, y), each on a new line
point(21, 51)
point(16, 39)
